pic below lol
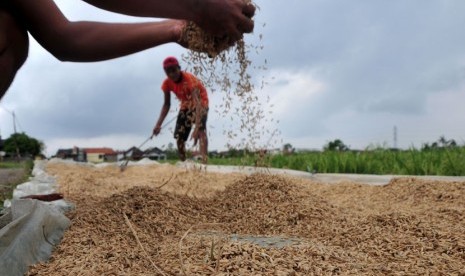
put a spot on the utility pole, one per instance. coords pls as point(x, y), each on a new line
point(18, 155)
point(395, 137)
point(14, 122)
point(15, 139)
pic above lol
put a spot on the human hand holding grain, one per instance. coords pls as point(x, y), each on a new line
point(231, 18)
point(89, 41)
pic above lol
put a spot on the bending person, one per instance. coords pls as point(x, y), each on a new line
point(193, 108)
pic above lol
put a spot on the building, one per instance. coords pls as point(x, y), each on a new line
point(68, 154)
point(93, 155)
point(99, 155)
point(131, 154)
point(65, 154)
point(76, 154)
point(155, 154)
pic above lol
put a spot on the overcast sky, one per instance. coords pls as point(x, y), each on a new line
point(351, 70)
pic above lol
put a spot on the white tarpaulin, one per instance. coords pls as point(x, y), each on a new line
point(29, 229)
point(30, 237)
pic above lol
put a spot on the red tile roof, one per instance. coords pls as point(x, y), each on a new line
point(100, 150)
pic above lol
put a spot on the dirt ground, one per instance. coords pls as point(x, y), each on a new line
point(162, 220)
point(9, 177)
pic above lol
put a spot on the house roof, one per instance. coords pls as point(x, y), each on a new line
point(134, 150)
point(100, 150)
point(154, 150)
point(64, 151)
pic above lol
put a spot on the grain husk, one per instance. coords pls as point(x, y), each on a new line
point(408, 227)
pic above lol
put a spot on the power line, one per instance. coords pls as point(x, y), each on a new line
point(16, 122)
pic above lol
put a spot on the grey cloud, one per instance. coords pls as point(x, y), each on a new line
point(376, 55)
point(377, 59)
point(78, 100)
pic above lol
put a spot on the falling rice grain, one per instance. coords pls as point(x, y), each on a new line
point(226, 68)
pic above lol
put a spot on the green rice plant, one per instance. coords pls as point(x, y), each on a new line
point(450, 161)
point(10, 165)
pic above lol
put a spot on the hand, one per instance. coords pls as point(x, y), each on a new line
point(156, 130)
point(230, 18)
point(195, 136)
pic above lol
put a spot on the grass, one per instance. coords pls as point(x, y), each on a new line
point(11, 165)
point(7, 187)
point(447, 162)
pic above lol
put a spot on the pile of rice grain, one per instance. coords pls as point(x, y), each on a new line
point(409, 227)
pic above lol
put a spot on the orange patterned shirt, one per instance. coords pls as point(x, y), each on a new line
point(184, 89)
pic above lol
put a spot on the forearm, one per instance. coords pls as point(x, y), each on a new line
point(198, 116)
point(91, 41)
point(164, 111)
point(51, 28)
point(94, 41)
point(217, 17)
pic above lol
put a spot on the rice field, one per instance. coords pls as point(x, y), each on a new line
point(447, 162)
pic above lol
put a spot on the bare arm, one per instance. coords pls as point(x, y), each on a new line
point(219, 17)
point(164, 111)
point(91, 41)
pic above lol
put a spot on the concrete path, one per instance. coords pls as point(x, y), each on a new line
point(330, 178)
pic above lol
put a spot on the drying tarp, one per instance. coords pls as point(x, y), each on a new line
point(29, 229)
point(30, 237)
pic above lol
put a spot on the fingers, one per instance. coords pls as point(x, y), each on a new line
point(195, 137)
point(246, 26)
point(195, 140)
point(245, 23)
point(227, 18)
point(249, 10)
point(234, 35)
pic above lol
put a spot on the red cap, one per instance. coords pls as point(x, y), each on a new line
point(170, 61)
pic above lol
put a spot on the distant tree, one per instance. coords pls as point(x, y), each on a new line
point(171, 152)
point(441, 143)
point(233, 152)
point(447, 143)
point(25, 144)
point(238, 152)
point(288, 149)
point(336, 145)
